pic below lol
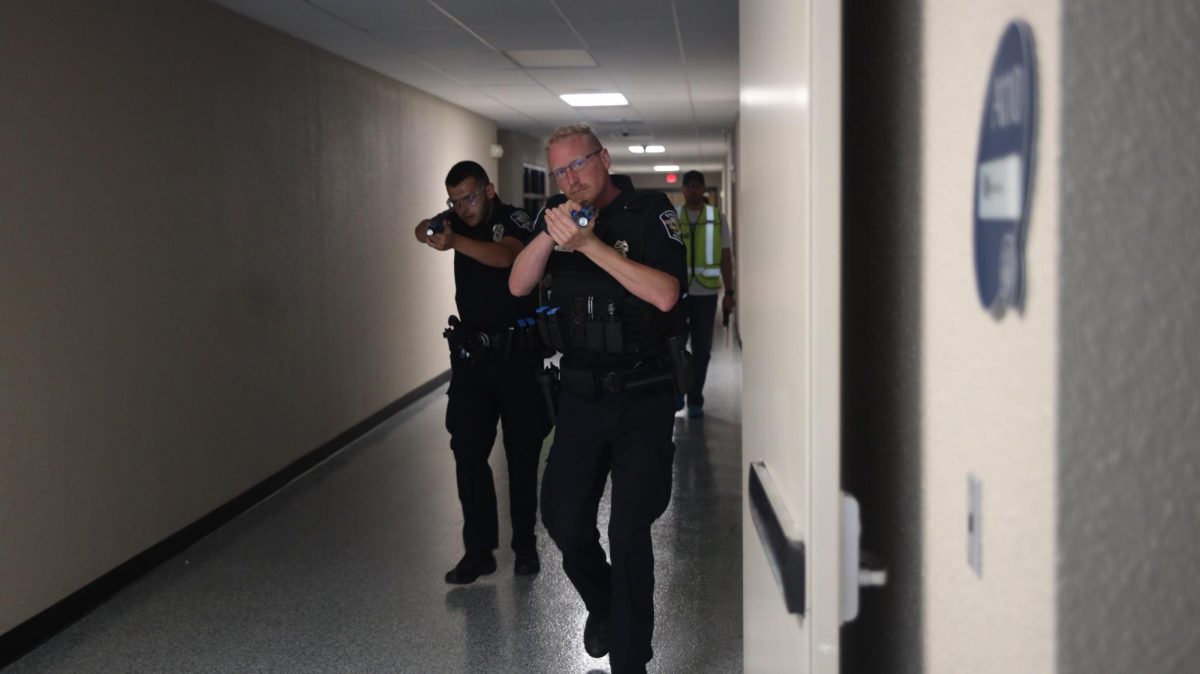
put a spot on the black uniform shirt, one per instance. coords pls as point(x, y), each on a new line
point(642, 223)
point(481, 292)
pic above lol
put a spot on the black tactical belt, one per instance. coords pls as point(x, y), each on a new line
point(469, 344)
point(591, 382)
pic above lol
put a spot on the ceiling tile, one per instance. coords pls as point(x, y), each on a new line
point(431, 40)
point(470, 64)
point(529, 95)
point(713, 87)
point(570, 80)
point(290, 16)
point(529, 36)
point(620, 35)
point(383, 14)
point(724, 12)
point(492, 12)
point(487, 78)
point(591, 11)
point(702, 59)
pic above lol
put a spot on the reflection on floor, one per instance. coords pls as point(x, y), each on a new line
point(342, 570)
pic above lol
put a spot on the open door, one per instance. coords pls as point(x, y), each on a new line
point(789, 179)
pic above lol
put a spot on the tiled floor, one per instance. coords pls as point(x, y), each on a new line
point(342, 570)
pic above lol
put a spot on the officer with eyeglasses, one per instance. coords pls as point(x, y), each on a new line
point(617, 263)
point(495, 360)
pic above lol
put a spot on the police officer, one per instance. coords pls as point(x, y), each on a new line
point(494, 365)
point(616, 408)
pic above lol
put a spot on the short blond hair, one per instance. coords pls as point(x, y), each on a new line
point(568, 130)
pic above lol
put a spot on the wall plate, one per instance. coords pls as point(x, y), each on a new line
point(975, 524)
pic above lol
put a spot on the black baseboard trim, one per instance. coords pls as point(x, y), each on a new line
point(33, 632)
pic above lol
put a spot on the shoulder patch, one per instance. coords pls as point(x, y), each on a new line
point(522, 220)
point(670, 221)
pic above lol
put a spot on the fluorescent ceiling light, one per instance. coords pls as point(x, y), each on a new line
point(552, 58)
point(666, 168)
point(636, 149)
point(655, 149)
point(594, 100)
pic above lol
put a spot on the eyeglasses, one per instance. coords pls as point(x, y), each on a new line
point(575, 166)
point(470, 200)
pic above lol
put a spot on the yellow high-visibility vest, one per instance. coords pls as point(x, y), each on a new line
point(702, 240)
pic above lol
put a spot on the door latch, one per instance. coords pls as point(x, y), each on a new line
point(859, 569)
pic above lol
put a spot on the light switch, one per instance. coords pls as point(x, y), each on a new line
point(975, 524)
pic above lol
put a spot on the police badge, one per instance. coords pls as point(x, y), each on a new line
point(622, 248)
point(670, 220)
point(521, 218)
point(497, 233)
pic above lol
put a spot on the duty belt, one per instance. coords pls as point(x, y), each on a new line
point(590, 382)
point(469, 344)
point(674, 367)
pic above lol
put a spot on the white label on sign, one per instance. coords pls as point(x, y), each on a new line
point(1000, 195)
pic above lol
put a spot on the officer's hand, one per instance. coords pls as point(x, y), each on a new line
point(443, 240)
point(563, 229)
point(420, 231)
point(728, 303)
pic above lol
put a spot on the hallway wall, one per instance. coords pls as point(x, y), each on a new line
point(988, 387)
point(1129, 376)
point(934, 386)
point(207, 265)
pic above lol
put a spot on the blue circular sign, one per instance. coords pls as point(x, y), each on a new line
point(1004, 171)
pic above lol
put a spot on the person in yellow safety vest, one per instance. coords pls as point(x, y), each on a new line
point(707, 239)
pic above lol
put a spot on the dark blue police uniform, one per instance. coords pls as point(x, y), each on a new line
point(610, 421)
point(494, 365)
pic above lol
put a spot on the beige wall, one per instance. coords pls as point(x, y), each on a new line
point(208, 268)
point(1078, 414)
point(988, 387)
point(983, 393)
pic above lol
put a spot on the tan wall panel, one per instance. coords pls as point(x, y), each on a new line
point(988, 387)
point(208, 268)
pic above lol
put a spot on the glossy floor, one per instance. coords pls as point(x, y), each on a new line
point(341, 571)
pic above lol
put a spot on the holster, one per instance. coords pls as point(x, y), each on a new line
point(550, 380)
point(455, 339)
point(681, 364)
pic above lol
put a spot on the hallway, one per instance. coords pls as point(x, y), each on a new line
point(341, 571)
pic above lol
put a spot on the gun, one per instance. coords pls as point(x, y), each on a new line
point(584, 216)
point(437, 224)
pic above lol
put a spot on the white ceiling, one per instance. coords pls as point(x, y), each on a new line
point(676, 61)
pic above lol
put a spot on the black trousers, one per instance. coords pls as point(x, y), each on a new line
point(480, 394)
point(627, 434)
point(701, 312)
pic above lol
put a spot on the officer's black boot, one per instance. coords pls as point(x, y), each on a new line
point(470, 568)
point(527, 562)
point(595, 635)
